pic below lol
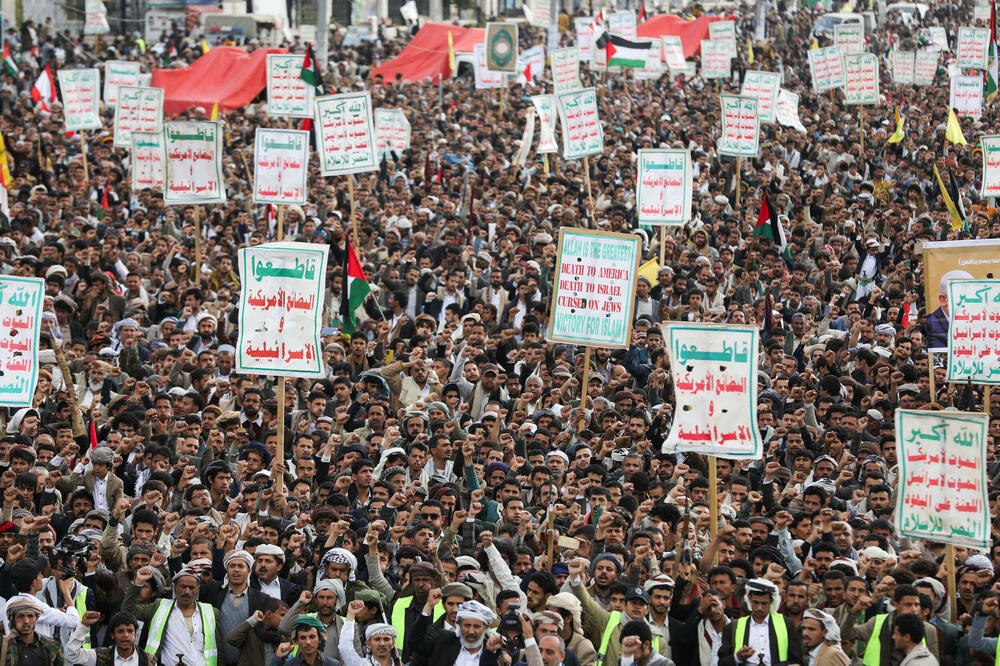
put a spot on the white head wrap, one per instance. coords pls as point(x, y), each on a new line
point(473, 610)
point(763, 586)
point(268, 549)
point(830, 624)
point(339, 556)
point(239, 555)
point(336, 586)
point(378, 628)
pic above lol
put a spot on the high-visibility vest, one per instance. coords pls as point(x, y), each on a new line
point(873, 650)
point(780, 633)
point(615, 619)
point(159, 625)
point(399, 617)
point(81, 607)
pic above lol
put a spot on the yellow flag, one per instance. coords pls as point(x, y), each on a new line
point(451, 54)
point(953, 130)
point(6, 180)
point(899, 135)
point(957, 223)
point(815, 45)
point(215, 112)
point(750, 57)
point(204, 46)
point(650, 270)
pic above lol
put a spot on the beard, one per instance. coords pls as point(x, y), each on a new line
point(475, 644)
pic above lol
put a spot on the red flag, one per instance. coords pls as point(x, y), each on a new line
point(439, 178)
point(452, 107)
point(104, 201)
point(527, 74)
point(642, 12)
point(907, 308)
point(307, 124)
point(93, 436)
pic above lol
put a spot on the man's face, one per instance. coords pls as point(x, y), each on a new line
point(24, 623)
point(833, 590)
point(266, 567)
point(796, 599)
point(422, 585)
point(551, 654)
point(472, 633)
point(813, 632)
point(238, 572)
point(760, 606)
point(307, 638)
point(605, 573)
point(908, 604)
point(659, 600)
point(185, 591)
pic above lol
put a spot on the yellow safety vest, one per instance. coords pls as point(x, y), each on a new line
point(780, 633)
point(873, 650)
point(159, 625)
point(81, 607)
point(399, 617)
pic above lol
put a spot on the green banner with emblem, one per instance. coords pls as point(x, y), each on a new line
point(501, 47)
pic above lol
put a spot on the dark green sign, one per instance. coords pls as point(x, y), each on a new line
point(501, 47)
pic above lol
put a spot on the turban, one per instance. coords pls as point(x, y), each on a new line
point(548, 617)
point(379, 628)
point(199, 566)
point(268, 549)
point(336, 586)
point(467, 561)
point(239, 555)
point(473, 610)
point(763, 586)
point(141, 547)
point(187, 571)
point(22, 605)
point(609, 557)
point(337, 556)
point(829, 624)
point(311, 621)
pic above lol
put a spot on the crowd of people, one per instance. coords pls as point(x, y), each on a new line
point(449, 493)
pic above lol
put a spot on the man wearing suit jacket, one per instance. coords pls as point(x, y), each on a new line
point(764, 636)
point(106, 488)
point(268, 563)
point(821, 636)
point(468, 649)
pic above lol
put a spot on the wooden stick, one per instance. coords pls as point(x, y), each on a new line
point(552, 538)
point(663, 245)
point(83, 151)
point(545, 163)
point(949, 561)
point(586, 378)
point(281, 222)
point(713, 505)
point(861, 125)
point(354, 221)
point(986, 399)
point(930, 366)
point(197, 245)
point(739, 169)
point(76, 414)
point(591, 204)
point(279, 483)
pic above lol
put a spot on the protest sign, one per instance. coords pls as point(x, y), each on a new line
point(81, 98)
point(623, 24)
point(288, 94)
point(117, 74)
point(392, 131)
point(653, 69)
point(850, 37)
point(665, 186)
point(941, 489)
point(740, 126)
point(538, 13)
point(584, 38)
point(149, 160)
point(903, 67)
point(534, 58)
point(973, 50)
point(974, 309)
point(991, 165)
point(714, 369)
point(935, 36)
point(715, 60)
point(673, 52)
point(138, 110)
point(501, 47)
point(21, 312)
point(860, 78)
point(726, 31)
point(981, 11)
point(345, 134)
point(485, 79)
point(787, 110)
point(193, 169)
point(952, 260)
point(762, 86)
point(281, 307)
point(967, 95)
point(280, 166)
point(545, 105)
point(925, 64)
point(565, 69)
point(594, 294)
point(827, 68)
point(527, 137)
point(95, 18)
point(581, 126)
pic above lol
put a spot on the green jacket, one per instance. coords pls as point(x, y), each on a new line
point(146, 612)
point(51, 649)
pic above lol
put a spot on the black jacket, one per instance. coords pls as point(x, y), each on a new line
point(727, 652)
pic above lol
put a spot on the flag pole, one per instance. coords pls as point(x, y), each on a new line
point(281, 222)
point(861, 125)
point(739, 169)
point(590, 196)
point(713, 504)
point(663, 244)
point(83, 152)
point(930, 364)
point(198, 212)
point(354, 222)
point(279, 452)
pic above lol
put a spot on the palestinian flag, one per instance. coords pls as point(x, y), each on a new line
point(356, 290)
point(952, 201)
point(8, 61)
point(597, 23)
point(311, 73)
point(642, 12)
point(170, 55)
point(625, 53)
point(44, 90)
point(768, 226)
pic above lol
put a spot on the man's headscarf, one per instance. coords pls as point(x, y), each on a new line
point(763, 586)
point(473, 610)
point(22, 605)
point(568, 602)
point(336, 586)
point(832, 630)
point(311, 621)
point(379, 628)
point(140, 547)
point(239, 555)
point(268, 549)
point(338, 556)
